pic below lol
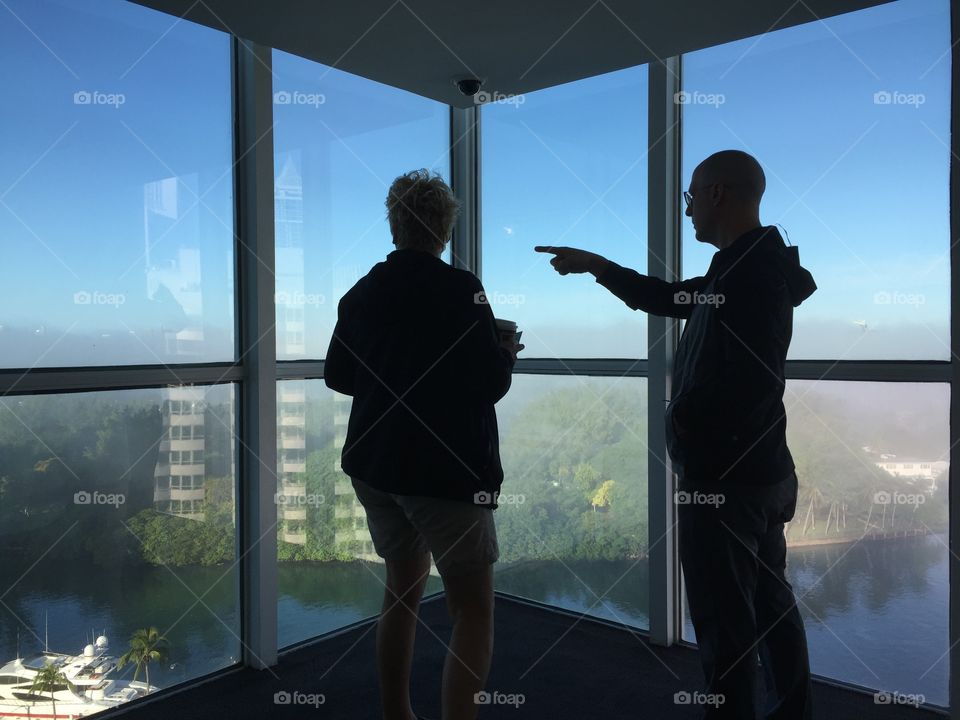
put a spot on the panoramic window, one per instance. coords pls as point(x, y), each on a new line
point(117, 194)
point(339, 142)
point(867, 549)
point(856, 168)
point(118, 508)
point(548, 181)
point(112, 521)
point(572, 521)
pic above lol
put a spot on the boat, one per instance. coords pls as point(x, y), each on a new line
point(90, 687)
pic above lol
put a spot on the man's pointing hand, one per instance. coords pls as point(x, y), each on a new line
point(571, 260)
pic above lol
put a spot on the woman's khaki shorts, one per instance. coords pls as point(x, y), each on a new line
point(461, 536)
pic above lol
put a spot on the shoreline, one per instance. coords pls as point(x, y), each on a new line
point(849, 540)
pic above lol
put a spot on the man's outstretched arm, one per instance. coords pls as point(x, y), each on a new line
point(639, 292)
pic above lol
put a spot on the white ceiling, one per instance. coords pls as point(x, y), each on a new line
point(517, 46)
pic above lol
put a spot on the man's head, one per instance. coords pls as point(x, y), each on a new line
point(726, 189)
point(422, 210)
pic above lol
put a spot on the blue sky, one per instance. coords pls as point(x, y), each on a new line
point(74, 218)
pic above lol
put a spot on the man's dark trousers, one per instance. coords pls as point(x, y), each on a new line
point(734, 555)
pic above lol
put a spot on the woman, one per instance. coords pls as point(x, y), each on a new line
point(417, 347)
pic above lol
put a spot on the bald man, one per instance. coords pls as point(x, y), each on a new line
point(726, 435)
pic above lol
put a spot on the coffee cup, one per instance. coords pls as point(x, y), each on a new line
point(507, 331)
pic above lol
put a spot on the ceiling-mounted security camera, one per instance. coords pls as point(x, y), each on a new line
point(469, 86)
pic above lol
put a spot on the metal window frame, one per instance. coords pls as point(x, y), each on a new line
point(465, 174)
point(255, 249)
point(663, 261)
point(954, 489)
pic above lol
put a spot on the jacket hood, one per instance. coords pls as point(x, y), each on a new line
point(800, 282)
point(785, 258)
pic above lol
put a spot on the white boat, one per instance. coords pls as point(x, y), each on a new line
point(89, 687)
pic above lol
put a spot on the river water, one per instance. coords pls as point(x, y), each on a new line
point(876, 612)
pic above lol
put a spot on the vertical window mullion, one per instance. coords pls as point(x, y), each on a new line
point(663, 243)
point(254, 197)
point(954, 510)
point(465, 179)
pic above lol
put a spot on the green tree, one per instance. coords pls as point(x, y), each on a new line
point(147, 645)
point(49, 679)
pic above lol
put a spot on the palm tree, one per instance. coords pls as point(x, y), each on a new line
point(146, 646)
point(49, 679)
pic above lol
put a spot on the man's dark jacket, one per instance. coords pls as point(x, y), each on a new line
point(416, 345)
point(726, 423)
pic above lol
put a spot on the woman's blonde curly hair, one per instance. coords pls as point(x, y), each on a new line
point(421, 209)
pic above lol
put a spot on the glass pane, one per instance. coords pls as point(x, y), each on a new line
point(867, 548)
point(116, 199)
point(118, 515)
point(572, 521)
point(339, 141)
point(548, 180)
point(850, 120)
point(329, 575)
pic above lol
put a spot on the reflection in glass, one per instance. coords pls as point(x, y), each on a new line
point(329, 574)
point(339, 142)
point(116, 203)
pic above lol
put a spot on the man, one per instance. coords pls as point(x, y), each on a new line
point(726, 434)
point(416, 346)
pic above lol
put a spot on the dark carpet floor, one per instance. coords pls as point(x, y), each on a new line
point(563, 668)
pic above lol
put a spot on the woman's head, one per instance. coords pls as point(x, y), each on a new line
point(422, 210)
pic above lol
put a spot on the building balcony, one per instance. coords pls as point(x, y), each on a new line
point(291, 395)
point(295, 512)
point(182, 444)
point(293, 443)
point(187, 494)
point(180, 470)
point(292, 489)
point(194, 418)
point(294, 538)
